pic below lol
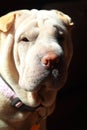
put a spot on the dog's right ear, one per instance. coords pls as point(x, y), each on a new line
point(6, 22)
point(66, 19)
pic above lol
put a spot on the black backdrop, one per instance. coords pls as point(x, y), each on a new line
point(71, 104)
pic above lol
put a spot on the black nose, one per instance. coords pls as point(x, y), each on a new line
point(50, 59)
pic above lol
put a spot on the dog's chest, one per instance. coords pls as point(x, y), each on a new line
point(13, 122)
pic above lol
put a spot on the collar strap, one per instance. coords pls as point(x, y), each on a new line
point(8, 92)
point(16, 102)
point(6, 89)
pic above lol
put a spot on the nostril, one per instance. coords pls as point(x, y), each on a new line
point(50, 59)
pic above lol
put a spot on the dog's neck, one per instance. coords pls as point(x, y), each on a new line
point(9, 93)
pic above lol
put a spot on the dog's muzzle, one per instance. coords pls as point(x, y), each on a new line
point(45, 69)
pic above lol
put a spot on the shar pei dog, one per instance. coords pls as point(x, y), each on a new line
point(35, 53)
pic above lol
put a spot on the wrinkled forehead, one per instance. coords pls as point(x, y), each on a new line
point(39, 17)
point(45, 17)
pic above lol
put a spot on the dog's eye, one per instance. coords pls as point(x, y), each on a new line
point(60, 39)
point(24, 39)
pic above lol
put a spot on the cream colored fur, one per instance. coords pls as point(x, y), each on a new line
point(19, 62)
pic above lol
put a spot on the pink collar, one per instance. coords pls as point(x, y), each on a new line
point(9, 93)
point(6, 90)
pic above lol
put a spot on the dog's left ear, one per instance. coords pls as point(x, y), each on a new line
point(6, 22)
point(66, 19)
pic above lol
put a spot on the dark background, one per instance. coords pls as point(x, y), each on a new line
point(71, 104)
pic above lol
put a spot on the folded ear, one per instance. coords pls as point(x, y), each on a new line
point(66, 19)
point(6, 22)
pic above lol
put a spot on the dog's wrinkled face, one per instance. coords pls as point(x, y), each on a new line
point(42, 52)
point(39, 51)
